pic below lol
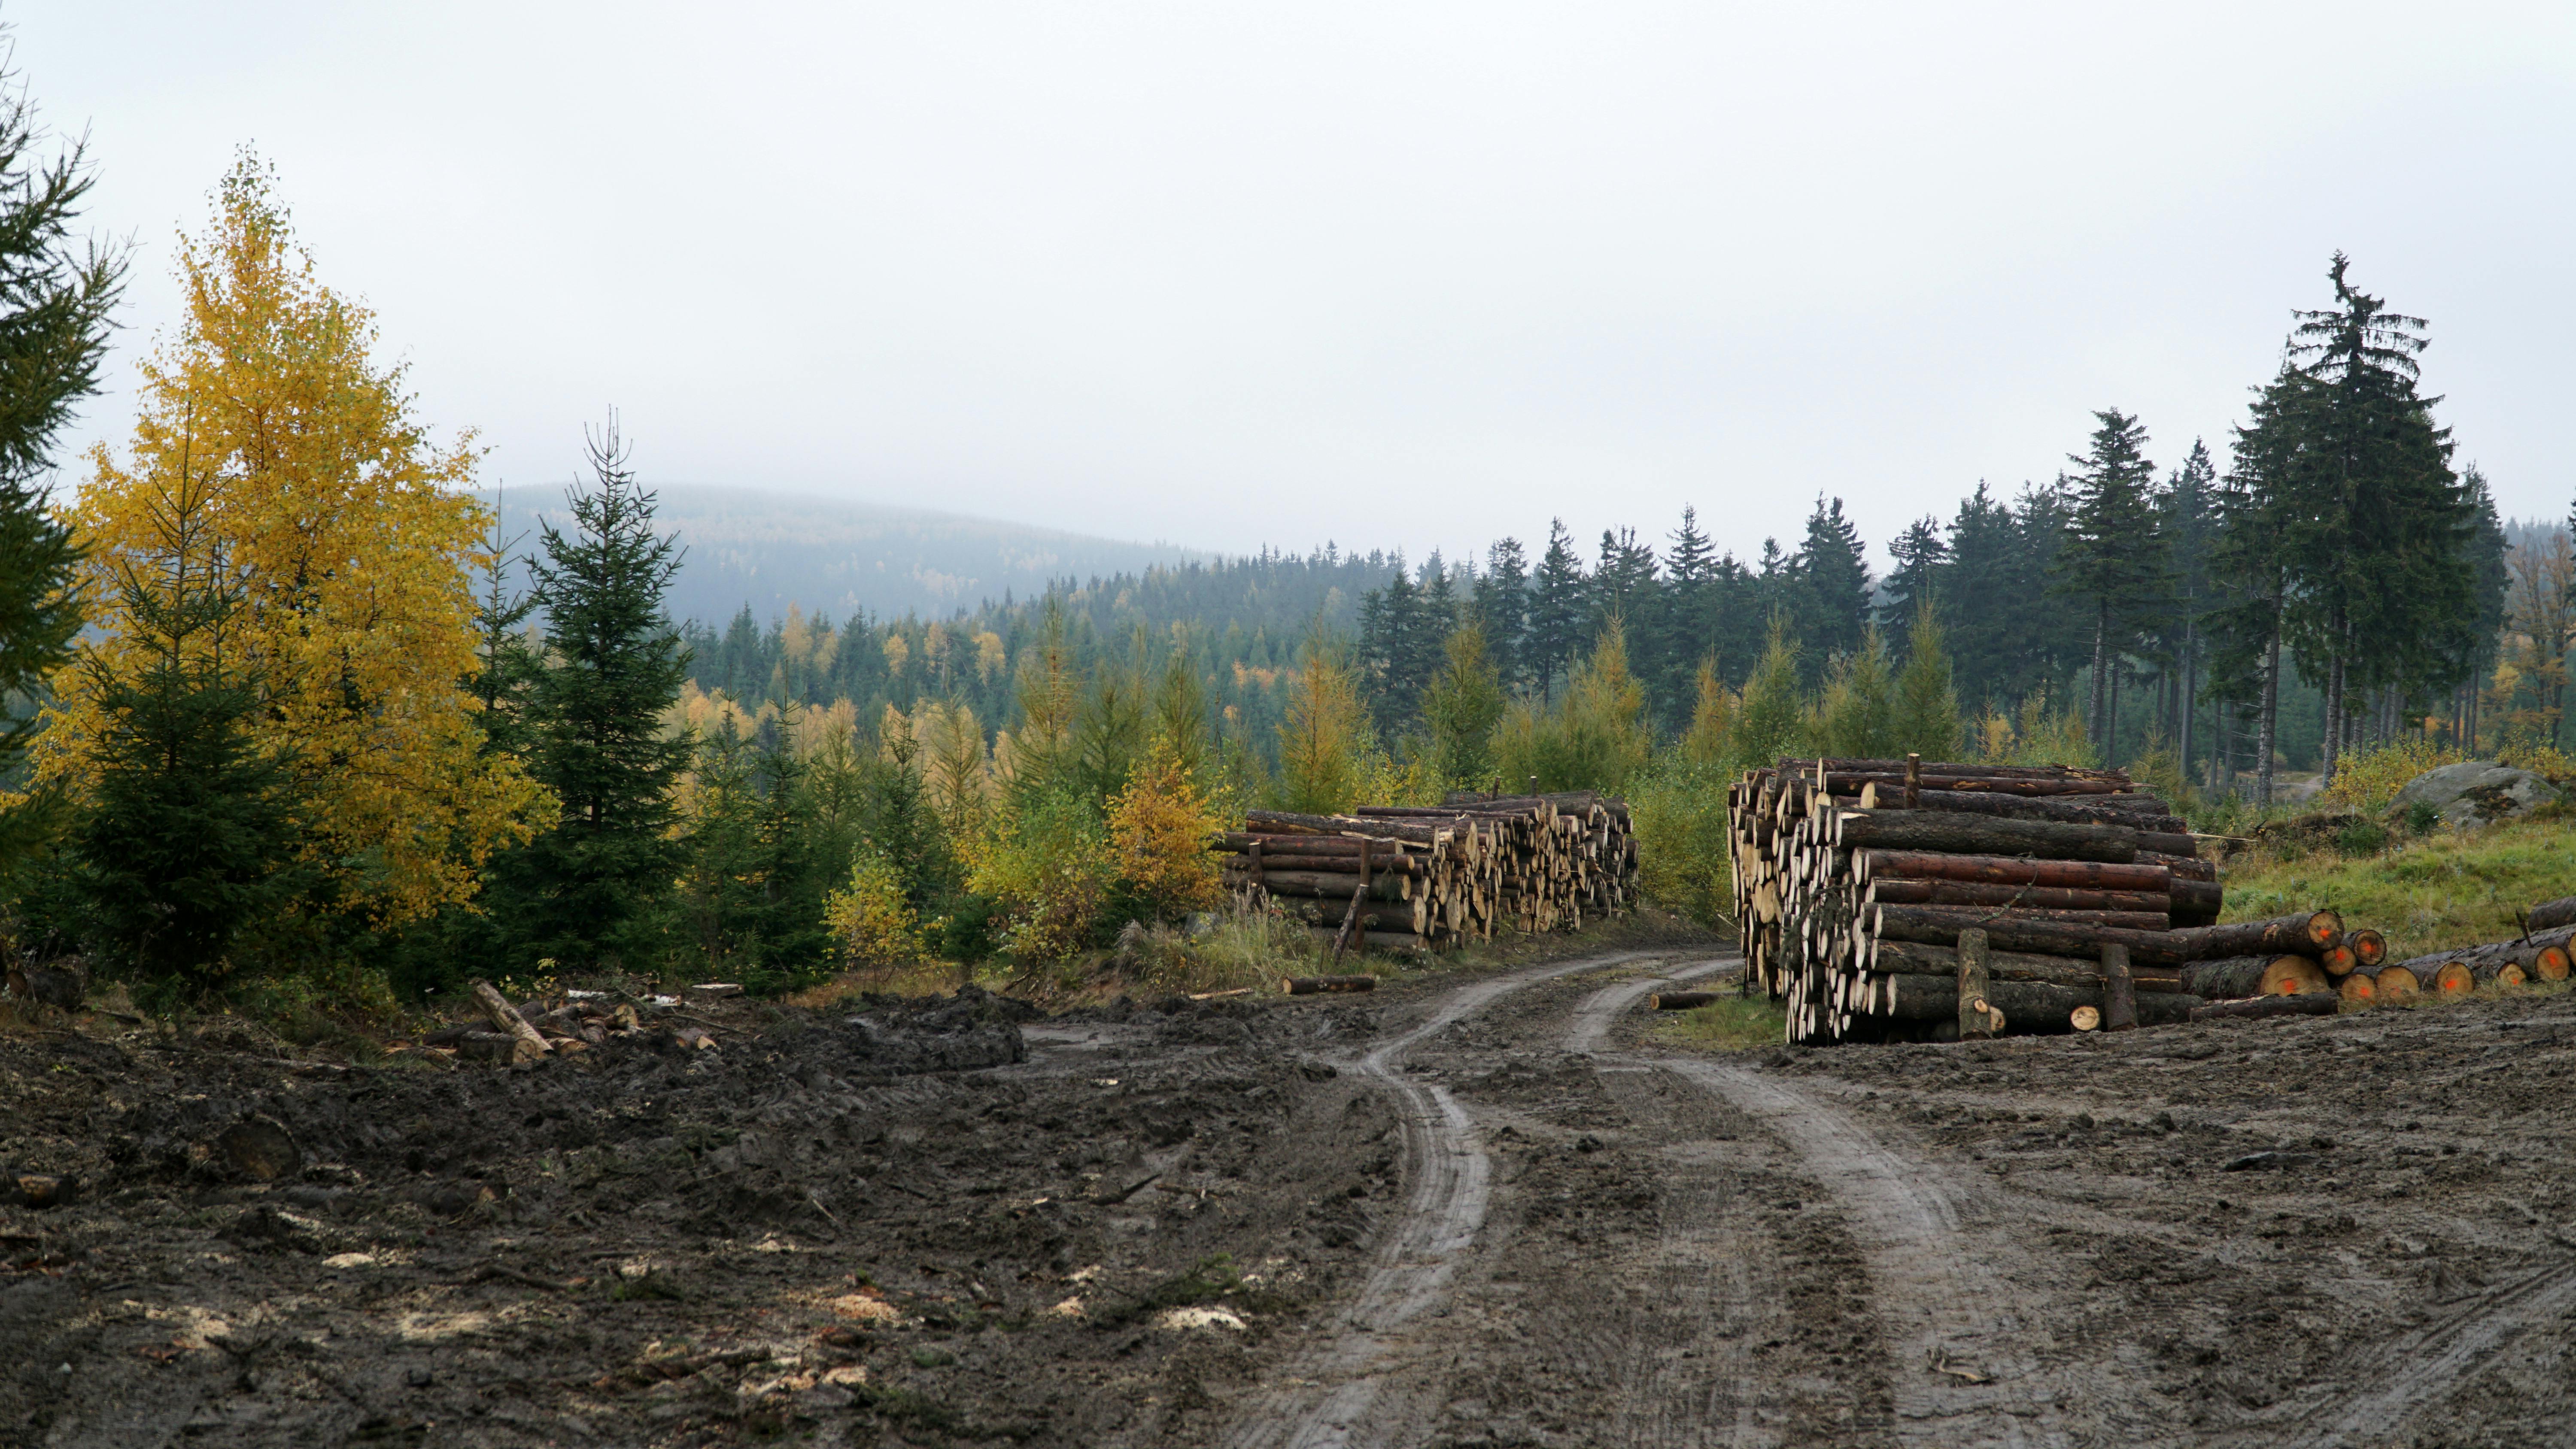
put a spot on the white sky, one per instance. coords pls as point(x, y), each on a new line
point(1411, 275)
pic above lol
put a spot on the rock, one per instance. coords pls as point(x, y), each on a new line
point(2476, 792)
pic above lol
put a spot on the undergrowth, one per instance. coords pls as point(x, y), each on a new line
point(2432, 893)
point(1734, 1024)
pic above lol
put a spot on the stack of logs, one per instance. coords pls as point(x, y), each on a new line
point(1430, 877)
point(2540, 954)
point(2080, 897)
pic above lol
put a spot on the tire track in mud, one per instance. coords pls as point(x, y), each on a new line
point(1960, 1372)
point(1330, 1396)
point(1699, 1268)
point(2431, 1363)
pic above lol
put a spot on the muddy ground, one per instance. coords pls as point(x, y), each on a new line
point(1469, 1210)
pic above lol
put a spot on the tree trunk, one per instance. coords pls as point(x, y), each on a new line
point(2268, 732)
point(2335, 722)
point(2111, 717)
point(2101, 639)
point(2190, 704)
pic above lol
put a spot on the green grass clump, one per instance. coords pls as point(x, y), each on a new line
point(1732, 1025)
point(2442, 891)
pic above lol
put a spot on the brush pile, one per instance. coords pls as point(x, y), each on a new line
point(1893, 900)
point(1431, 877)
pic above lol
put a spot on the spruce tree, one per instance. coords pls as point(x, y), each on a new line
point(588, 888)
point(1920, 554)
point(54, 305)
point(1502, 607)
point(2378, 518)
point(188, 838)
point(1558, 608)
point(1832, 585)
point(2113, 563)
point(1686, 626)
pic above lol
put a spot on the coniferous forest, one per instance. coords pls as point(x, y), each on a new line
point(290, 717)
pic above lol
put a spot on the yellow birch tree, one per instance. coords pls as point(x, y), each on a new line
point(356, 539)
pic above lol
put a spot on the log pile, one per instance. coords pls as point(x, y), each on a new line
point(1433, 877)
point(1899, 900)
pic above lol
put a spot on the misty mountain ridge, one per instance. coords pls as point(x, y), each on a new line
point(838, 556)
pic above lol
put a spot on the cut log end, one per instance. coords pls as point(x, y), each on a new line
point(2084, 1018)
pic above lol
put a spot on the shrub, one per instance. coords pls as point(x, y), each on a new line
point(870, 919)
point(1159, 826)
point(2369, 779)
point(1684, 849)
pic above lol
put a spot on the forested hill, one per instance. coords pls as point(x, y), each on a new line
point(764, 551)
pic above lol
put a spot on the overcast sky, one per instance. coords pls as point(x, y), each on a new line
point(1413, 275)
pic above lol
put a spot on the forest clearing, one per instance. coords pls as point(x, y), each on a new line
point(2091, 967)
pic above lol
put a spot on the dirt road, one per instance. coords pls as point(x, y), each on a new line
point(1469, 1211)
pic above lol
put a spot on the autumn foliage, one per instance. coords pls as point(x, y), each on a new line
point(352, 536)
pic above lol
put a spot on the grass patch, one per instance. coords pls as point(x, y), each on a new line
point(2443, 891)
point(1733, 1025)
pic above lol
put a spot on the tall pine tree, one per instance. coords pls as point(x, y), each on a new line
point(2378, 518)
point(1831, 589)
point(2113, 563)
point(1559, 616)
point(592, 886)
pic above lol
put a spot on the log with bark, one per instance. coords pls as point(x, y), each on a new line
point(2011, 870)
point(2237, 976)
point(1915, 958)
point(2306, 932)
point(1940, 926)
point(1682, 1000)
point(2312, 1004)
point(2028, 1006)
point(2550, 915)
point(1932, 830)
point(1897, 891)
point(1318, 985)
point(507, 1021)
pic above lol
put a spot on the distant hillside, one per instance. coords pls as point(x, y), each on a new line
point(836, 557)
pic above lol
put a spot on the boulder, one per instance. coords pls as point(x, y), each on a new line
point(2476, 792)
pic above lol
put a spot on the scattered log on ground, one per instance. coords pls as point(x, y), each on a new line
point(508, 1022)
point(2309, 1004)
point(1682, 1000)
point(1315, 985)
